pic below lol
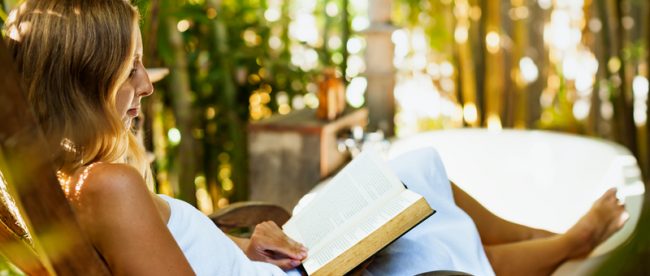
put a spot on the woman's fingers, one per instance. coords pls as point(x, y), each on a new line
point(284, 264)
point(268, 243)
point(278, 241)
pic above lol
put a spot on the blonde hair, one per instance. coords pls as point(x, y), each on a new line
point(73, 55)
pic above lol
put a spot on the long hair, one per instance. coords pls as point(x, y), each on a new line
point(72, 56)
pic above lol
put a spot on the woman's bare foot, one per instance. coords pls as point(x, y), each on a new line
point(606, 216)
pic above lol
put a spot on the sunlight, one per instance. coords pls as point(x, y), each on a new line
point(183, 25)
point(640, 88)
point(203, 199)
point(494, 122)
point(493, 42)
point(461, 34)
point(304, 28)
point(12, 17)
point(470, 114)
point(355, 91)
point(174, 136)
point(528, 69)
point(272, 14)
point(14, 34)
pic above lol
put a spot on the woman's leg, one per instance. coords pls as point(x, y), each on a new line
point(542, 256)
point(493, 229)
point(532, 257)
point(514, 249)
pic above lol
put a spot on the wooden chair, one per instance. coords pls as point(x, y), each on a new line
point(56, 244)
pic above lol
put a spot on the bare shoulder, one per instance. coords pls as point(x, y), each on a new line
point(109, 180)
point(119, 214)
point(105, 192)
point(116, 185)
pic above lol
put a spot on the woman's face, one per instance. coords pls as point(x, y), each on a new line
point(135, 87)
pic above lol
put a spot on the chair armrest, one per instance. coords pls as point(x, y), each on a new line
point(248, 214)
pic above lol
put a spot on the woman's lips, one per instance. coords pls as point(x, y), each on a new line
point(133, 112)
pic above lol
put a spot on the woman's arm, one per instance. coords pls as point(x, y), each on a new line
point(117, 212)
point(242, 243)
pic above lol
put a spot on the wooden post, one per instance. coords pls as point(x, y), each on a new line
point(380, 71)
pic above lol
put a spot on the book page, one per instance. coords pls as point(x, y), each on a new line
point(363, 227)
point(363, 184)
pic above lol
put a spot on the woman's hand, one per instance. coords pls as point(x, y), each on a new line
point(269, 244)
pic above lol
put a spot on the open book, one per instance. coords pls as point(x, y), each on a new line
point(360, 211)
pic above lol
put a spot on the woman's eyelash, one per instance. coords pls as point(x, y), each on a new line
point(134, 68)
point(132, 72)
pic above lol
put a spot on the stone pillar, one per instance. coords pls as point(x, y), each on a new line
point(380, 71)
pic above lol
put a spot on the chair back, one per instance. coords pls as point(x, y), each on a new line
point(50, 240)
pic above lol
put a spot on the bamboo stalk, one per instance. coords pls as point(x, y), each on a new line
point(150, 32)
point(590, 40)
point(345, 36)
point(236, 127)
point(477, 44)
point(612, 33)
point(646, 131)
point(467, 73)
point(179, 80)
point(325, 53)
point(520, 37)
point(624, 101)
point(494, 74)
point(646, 151)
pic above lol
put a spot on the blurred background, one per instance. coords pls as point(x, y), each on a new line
point(577, 66)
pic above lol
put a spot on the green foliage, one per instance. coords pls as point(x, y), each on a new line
point(229, 59)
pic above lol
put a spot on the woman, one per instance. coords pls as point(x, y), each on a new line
point(81, 63)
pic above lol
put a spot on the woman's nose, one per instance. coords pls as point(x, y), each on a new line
point(144, 86)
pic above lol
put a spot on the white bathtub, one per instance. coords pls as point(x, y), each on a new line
point(537, 178)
